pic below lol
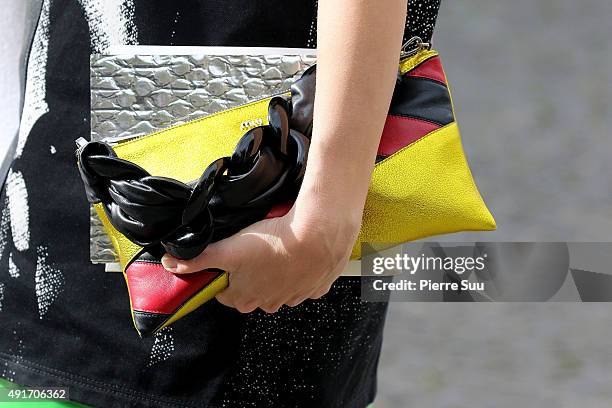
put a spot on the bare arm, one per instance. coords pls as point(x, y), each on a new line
point(358, 52)
point(298, 256)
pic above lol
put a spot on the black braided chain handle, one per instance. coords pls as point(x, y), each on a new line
point(266, 167)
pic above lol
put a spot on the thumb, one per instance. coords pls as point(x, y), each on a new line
point(220, 254)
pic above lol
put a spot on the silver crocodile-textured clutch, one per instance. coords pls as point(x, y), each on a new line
point(133, 95)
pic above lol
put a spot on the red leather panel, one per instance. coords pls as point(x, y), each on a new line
point(399, 132)
point(278, 210)
point(154, 289)
point(432, 69)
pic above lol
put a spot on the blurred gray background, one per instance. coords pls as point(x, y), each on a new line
point(532, 88)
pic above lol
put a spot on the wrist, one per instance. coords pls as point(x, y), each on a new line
point(333, 191)
point(320, 207)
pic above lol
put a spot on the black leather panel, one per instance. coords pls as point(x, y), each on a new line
point(147, 323)
point(302, 101)
point(422, 98)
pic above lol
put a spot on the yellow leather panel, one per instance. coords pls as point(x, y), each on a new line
point(417, 59)
point(183, 152)
point(125, 249)
point(424, 189)
point(203, 296)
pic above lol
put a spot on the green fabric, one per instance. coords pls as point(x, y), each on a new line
point(48, 404)
point(36, 404)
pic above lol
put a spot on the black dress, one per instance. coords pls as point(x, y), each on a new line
point(66, 322)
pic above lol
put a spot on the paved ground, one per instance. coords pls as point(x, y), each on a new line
point(532, 85)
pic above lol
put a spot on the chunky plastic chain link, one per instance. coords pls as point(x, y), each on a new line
point(266, 168)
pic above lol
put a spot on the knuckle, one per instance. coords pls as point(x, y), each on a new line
point(242, 309)
point(270, 308)
point(295, 302)
point(320, 293)
point(246, 307)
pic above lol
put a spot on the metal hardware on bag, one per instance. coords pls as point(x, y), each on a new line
point(251, 123)
point(412, 46)
point(80, 142)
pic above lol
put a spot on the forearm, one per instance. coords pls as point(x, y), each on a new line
point(357, 56)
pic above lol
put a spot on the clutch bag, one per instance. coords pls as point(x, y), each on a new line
point(181, 188)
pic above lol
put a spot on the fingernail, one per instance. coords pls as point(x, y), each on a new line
point(169, 263)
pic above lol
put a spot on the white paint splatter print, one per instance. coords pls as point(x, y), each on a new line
point(7, 372)
point(312, 31)
point(18, 209)
point(1, 295)
point(4, 226)
point(421, 19)
point(16, 351)
point(111, 22)
point(49, 282)
point(163, 346)
point(12, 268)
point(34, 103)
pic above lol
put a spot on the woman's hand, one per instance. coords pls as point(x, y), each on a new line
point(279, 261)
